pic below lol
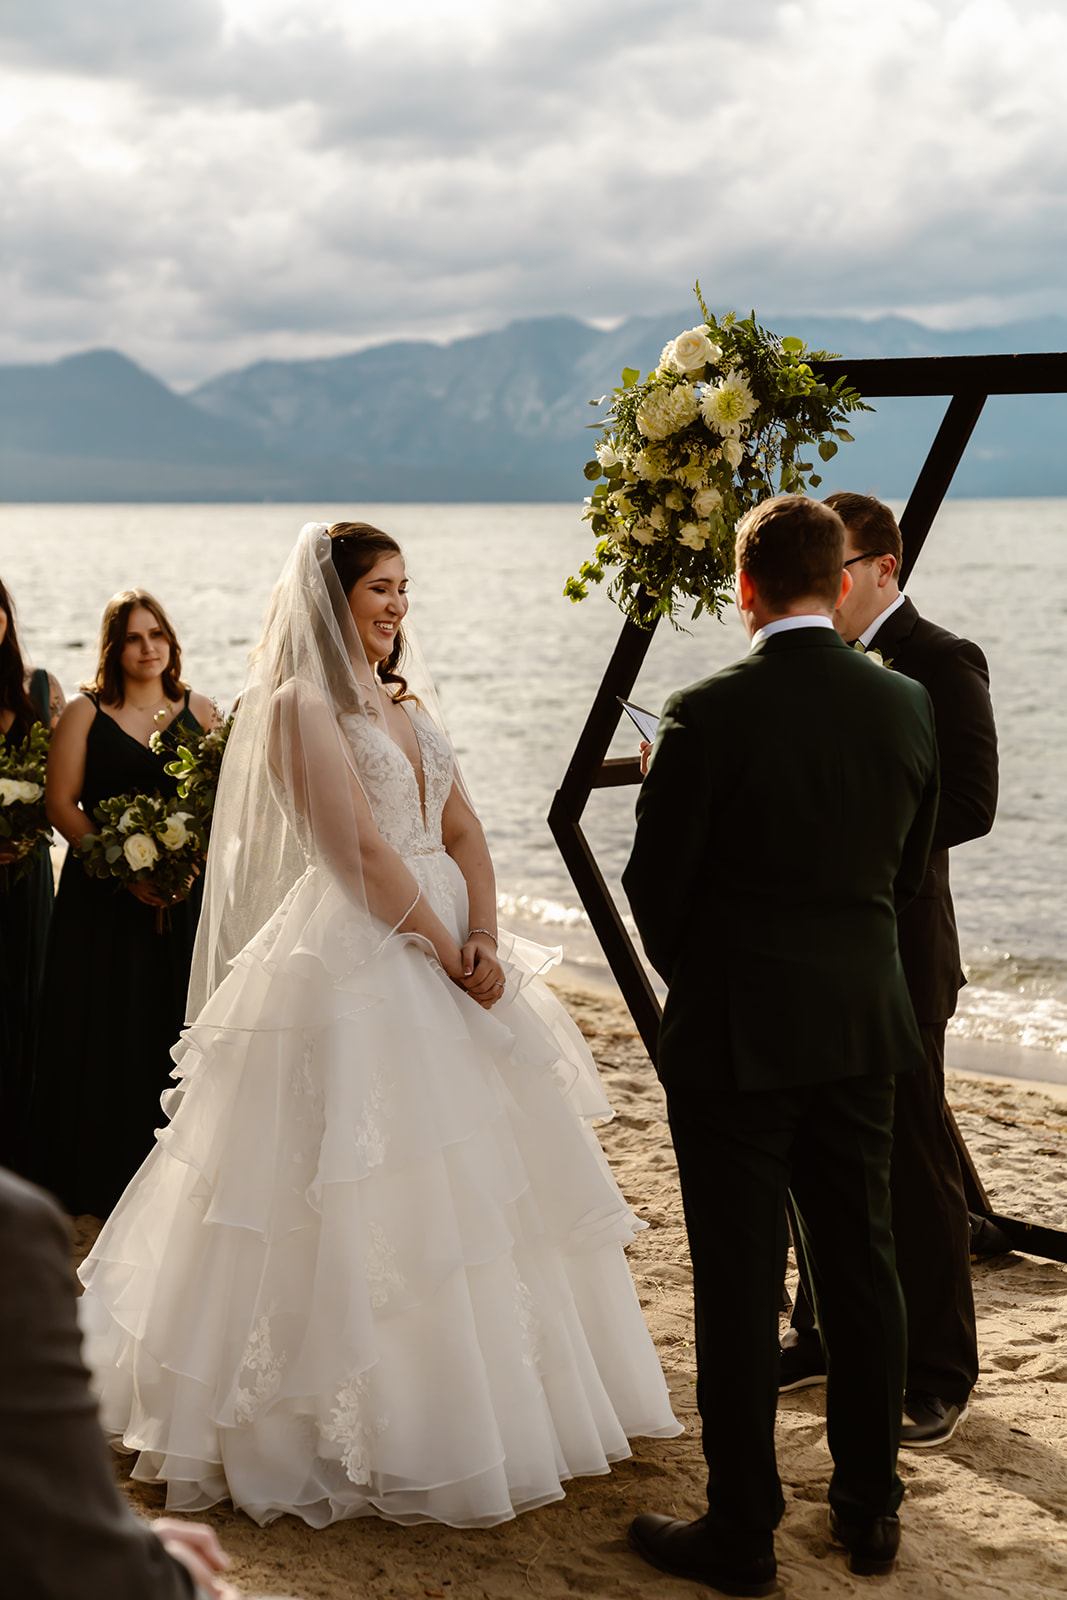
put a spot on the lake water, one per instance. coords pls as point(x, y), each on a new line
point(517, 665)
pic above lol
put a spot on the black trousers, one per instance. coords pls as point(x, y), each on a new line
point(738, 1154)
point(933, 1236)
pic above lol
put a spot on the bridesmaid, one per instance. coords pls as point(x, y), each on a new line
point(114, 988)
point(26, 697)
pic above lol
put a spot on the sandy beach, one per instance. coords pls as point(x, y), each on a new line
point(984, 1516)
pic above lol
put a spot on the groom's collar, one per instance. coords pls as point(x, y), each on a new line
point(868, 634)
point(816, 619)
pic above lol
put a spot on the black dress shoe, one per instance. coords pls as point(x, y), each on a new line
point(987, 1239)
point(928, 1420)
point(803, 1364)
point(872, 1546)
point(689, 1550)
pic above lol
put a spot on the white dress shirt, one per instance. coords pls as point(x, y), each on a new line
point(868, 633)
point(817, 619)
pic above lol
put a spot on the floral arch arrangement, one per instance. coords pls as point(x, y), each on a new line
point(723, 422)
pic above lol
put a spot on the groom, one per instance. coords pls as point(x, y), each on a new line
point(786, 816)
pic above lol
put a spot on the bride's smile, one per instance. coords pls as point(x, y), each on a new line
point(378, 602)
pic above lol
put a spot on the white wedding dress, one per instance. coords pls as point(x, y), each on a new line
point(374, 1264)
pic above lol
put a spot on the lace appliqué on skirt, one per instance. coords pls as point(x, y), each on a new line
point(349, 1428)
point(266, 1367)
point(370, 1133)
point(383, 1277)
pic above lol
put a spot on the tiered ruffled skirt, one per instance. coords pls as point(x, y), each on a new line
point(374, 1264)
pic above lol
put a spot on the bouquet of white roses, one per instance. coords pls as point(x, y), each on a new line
point(145, 838)
point(23, 823)
point(723, 422)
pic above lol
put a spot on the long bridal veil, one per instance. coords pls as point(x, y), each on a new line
point(290, 795)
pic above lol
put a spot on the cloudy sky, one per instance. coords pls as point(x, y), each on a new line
point(202, 183)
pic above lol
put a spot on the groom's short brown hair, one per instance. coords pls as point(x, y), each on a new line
point(872, 525)
point(793, 549)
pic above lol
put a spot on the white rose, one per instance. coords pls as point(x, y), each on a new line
point(734, 452)
point(693, 536)
point(690, 351)
point(125, 822)
point(13, 789)
point(174, 833)
point(726, 405)
point(658, 518)
point(705, 501)
point(666, 411)
point(605, 454)
point(643, 532)
point(140, 851)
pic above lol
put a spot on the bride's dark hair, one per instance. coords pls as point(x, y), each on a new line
point(356, 547)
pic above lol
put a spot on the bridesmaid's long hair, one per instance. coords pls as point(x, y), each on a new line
point(110, 681)
point(13, 696)
point(356, 547)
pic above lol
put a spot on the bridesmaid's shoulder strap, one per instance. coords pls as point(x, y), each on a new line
point(41, 694)
point(188, 692)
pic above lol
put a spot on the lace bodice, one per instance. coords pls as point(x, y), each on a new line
point(391, 784)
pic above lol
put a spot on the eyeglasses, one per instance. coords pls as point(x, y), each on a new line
point(868, 555)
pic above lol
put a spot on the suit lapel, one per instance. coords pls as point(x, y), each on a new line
point(895, 629)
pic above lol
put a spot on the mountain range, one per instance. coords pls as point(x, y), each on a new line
point(496, 417)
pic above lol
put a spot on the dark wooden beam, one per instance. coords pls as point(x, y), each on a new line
point(938, 471)
point(948, 375)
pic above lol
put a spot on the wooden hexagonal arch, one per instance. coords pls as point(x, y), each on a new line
point(967, 381)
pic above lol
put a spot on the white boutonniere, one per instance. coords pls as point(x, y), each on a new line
point(874, 655)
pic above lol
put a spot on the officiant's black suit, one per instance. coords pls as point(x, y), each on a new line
point(786, 816)
point(930, 1218)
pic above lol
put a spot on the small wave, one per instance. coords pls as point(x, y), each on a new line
point(549, 913)
point(1032, 977)
point(1011, 1018)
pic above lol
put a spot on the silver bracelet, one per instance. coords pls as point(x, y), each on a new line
point(488, 935)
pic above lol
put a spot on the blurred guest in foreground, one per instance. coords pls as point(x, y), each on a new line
point(64, 1530)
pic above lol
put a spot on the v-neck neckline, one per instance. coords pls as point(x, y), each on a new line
point(132, 736)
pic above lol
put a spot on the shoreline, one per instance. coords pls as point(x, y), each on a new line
point(994, 1059)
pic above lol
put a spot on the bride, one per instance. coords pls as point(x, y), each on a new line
point(374, 1263)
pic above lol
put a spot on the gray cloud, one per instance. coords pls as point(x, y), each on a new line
point(109, 37)
point(201, 196)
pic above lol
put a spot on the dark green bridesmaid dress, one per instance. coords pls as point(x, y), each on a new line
point(25, 912)
point(113, 1003)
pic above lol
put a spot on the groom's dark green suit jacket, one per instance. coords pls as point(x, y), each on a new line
point(786, 816)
